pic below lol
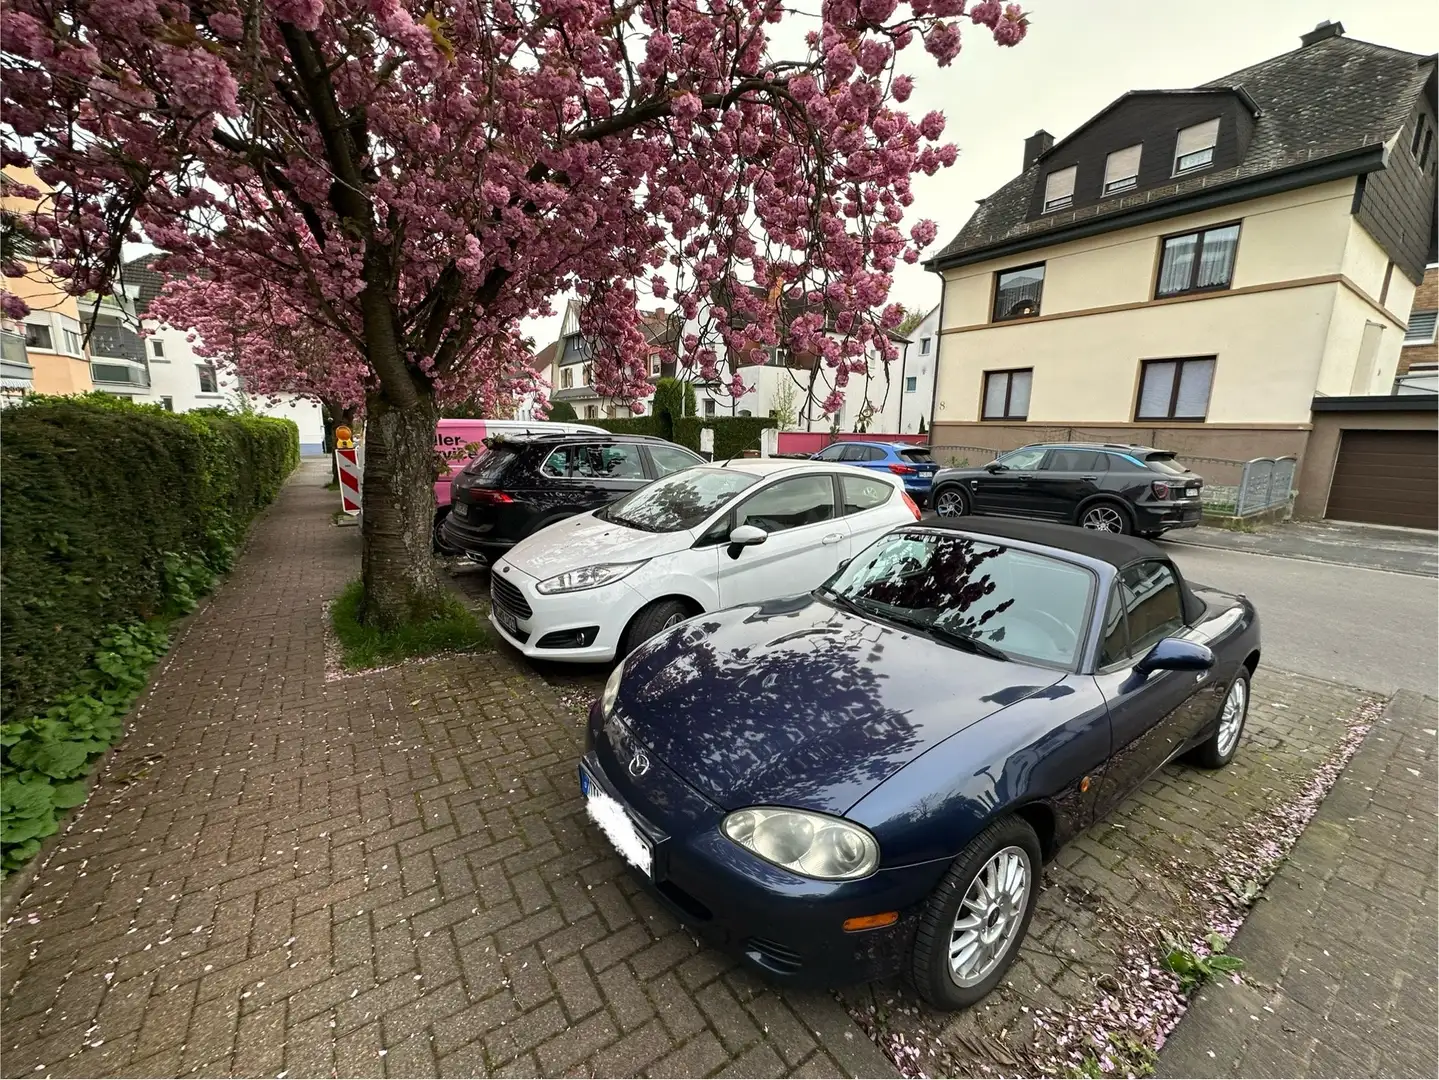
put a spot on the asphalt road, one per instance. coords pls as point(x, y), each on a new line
point(1368, 628)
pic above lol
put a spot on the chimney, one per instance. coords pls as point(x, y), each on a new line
point(1036, 145)
point(1323, 32)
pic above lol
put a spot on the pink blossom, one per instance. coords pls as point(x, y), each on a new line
point(942, 42)
point(228, 26)
point(686, 106)
point(987, 13)
point(12, 307)
point(932, 126)
point(901, 88)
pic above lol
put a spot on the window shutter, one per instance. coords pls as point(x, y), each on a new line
point(1194, 381)
point(1122, 165)
point(1158, 386)
point(1421, 328)
point(1059, 188)
point(1199, 137)
point(1019, 393)
point(994, 387)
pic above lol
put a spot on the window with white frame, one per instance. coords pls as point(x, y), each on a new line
point(911, 384)
point(1194, 149)
point(38, 336)
point(208, 383)
point(72, 342)
point(1421, 328)
point(1121, 169)
point(1059, 189)
point(655, 364)
point(157, 348)
point(924, 346)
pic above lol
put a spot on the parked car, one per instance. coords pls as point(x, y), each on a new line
point(867, 779)
point(912, 463)
point(522, 484)
point(1108, 487)
point(594, 587)
point(459, 442)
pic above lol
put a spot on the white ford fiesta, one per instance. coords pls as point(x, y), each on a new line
point(592, 587)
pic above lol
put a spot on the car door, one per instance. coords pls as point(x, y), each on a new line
point(863, 501)
point(832, 452)
point(860, 455)
point(1065, 479)
point(1150, 716)
point(1007, 488)
point(804, 545)
point(666, 458)
point(606, 470)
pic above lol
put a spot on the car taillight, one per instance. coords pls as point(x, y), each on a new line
point(1160, 489)
point(913, 506)
point(489, 495)
point(902, 470)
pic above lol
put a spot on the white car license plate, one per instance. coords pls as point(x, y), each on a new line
point(615, 823)
point(460, 510)
point(507, 621)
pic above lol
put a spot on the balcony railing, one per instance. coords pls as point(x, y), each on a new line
point(116, 342)
point(120, 374)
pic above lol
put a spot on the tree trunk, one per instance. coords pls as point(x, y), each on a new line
point(401, 584)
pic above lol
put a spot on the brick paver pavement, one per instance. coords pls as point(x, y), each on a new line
point(1340, 976)
point(387, 874)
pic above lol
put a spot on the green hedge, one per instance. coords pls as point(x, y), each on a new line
point(630, 425)
point(733, 434)
point(108, 507)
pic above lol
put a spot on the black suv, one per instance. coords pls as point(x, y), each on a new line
point(1112, 487)
point(523, 483)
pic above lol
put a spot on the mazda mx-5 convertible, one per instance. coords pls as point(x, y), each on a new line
point(868, 778)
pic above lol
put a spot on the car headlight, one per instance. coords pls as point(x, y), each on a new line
point(612, 689)
point(815, 845)
point(588, 577)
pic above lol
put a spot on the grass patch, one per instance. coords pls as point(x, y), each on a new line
point(333, 485)
point(454, 629)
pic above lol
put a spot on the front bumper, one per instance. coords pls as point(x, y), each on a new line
point(788, 927)
point(524, 616)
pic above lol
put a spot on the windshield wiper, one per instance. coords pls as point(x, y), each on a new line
point(957, 638)
point(842, 601)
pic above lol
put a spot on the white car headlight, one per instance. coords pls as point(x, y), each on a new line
point(815, 845)
point(612, 689)
point(588, 577)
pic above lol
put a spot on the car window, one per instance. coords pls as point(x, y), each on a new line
point(862, 493)
point(670, 459)
point(830, 453)
point(558, 463)
point(1027, 458)
point(491, 463)
point(1025, 604)
point(1074, 461)
point(681, 500)
point(921, 456)
point(1114, 642)
point(1166, 463)
point(789, 504)
point(854, 453)
point(1153, 605)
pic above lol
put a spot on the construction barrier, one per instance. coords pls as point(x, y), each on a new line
point(347, 464)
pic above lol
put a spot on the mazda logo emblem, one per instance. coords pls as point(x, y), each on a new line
point(639, 764)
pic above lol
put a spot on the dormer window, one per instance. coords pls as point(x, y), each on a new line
point(1194, 149)
point(1121, 169)
point(1059, 189)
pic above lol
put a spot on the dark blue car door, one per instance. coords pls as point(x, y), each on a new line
point(1151, 716)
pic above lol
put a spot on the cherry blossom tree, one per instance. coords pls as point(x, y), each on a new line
point(410, 178)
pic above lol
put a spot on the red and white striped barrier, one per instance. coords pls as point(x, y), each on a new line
point(347, 461)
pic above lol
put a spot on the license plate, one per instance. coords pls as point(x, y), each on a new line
point(506, 620)
point(615, 823)
point(460, 510)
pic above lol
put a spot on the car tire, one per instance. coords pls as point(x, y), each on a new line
point(1219, 749)
point(649, 621)
point(1114, 514)
point(950, 501)
point(1004, 844)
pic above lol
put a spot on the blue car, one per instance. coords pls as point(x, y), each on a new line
point(868, 779)
point(913, 463)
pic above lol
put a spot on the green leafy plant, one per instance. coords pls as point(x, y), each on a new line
point(1194, 970)
point(455, 628)
point(562, 411)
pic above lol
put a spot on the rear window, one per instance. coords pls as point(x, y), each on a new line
point(1166, 463)
point(916, 455)
point(490, 464)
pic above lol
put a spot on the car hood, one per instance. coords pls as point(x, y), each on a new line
point(797, 703)
point(585, 540)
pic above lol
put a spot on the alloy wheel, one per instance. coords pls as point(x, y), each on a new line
point(1231, 718)
point(1104, 519)
point(989, 916)
point(949, 504)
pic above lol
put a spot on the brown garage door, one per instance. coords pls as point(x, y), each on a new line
point(1388, 478)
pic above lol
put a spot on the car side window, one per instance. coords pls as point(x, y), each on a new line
point(862, 493)
point(1152, 604)
point(830, 453)
point(789, 504)
point(558, 463)
point(1024, 459)
point(853, 453)
point(606, 462)
point(1117, 462)
point(1081, 461)
point(1114, 639)
point(670, 459)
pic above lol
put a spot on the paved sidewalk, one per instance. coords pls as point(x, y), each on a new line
point(1340, 976)
point(387, 874)
point(1344, 543)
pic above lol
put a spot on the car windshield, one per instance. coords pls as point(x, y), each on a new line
point(679, 501)
point(1028, 606)
point(1166, 463)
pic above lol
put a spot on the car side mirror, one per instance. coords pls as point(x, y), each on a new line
point(743, 536)
point(994, 467)
point(1176, 654)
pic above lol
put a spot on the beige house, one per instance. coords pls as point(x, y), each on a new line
point(1193, 268)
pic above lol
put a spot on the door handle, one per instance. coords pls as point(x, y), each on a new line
point(1089, 478)
point(833, 538)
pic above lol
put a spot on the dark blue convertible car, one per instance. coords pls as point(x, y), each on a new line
point(867, 779)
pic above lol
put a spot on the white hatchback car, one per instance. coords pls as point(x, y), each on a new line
point(592, 587)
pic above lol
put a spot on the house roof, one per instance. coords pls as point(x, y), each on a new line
point(145, 282)
point(1323, 103)
point(542, 360)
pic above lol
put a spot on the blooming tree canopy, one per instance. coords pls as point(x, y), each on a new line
point(414, 177)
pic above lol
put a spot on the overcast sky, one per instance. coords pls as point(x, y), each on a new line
point(1078, 57)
